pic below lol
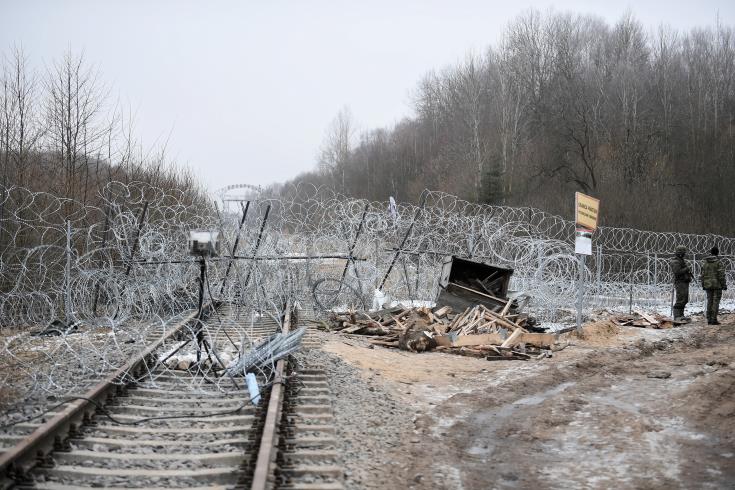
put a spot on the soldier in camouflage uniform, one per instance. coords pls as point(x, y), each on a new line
point(713, 282)
point(682, 277)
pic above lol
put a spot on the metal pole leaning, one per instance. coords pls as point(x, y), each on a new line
point(352, 247)
point(104, 244)
point(354, 241)
point(403, 242)
point(234, 247)
point(133, 249)
point(257, 245)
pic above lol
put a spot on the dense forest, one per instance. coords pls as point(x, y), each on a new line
point(61, 132)
point(643, 120)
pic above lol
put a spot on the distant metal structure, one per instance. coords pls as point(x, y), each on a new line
point(238, 193)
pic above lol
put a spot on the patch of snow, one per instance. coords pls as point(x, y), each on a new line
point(170, 351)
point(726, 306)
point(693, 308)
point(406, 303)
point(552, 327)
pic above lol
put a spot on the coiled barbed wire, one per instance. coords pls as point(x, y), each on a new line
point(118, 270)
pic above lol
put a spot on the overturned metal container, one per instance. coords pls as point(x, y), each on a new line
point(466, 283)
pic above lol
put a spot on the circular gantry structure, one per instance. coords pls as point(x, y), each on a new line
point(238, 192)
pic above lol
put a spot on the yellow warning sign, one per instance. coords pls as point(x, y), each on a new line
point(587, 209)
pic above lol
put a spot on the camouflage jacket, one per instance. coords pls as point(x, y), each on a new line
point(713, 274)
point(680, 270)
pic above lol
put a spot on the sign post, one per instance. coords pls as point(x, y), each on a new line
point(586, 210)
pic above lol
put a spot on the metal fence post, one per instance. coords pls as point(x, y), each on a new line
point(580, 291)
point(630, 281)
point(599, 270)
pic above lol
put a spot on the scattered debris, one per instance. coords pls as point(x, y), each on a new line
point(478, 331)
point(237, 362)
point(645, 320)
point(265, 353)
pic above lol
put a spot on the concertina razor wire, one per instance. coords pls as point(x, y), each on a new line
point(108, 276)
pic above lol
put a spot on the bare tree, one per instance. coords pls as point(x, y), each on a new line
point(337, 145)
point(20, 126)
point(567, 102)
point(74, 118)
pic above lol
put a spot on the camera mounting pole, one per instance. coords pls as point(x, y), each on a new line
point(202, 244)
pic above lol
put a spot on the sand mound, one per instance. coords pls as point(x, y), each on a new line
point(597, 331)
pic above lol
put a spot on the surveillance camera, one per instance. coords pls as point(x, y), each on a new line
point(204, 243)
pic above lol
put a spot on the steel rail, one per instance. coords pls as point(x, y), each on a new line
point(269, 438)
point(16, 462)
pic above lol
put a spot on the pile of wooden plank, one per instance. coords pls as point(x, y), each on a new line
point(477, 331)
point(645, 320)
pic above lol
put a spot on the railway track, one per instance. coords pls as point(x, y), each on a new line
point(198, 435)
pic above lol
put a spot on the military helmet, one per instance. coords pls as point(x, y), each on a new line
point(681, 249)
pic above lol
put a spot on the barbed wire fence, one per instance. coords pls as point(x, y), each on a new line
point(119, 270)
point(628, 267)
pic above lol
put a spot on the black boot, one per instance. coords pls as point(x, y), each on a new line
point(678, 314)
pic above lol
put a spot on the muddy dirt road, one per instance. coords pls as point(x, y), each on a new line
point(637, 408)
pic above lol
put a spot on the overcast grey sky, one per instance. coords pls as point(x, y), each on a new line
point(246, 89)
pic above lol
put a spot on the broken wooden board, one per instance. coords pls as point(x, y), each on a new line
point(502, 320)
point(353, 328)
point(620, 323)
point(384, 343)
point(642, 323)
point(650, 319)
point(443, 311)
point(504, 312)
point(513, 339)
point(545, 340)
point(467, 340)
point(515, 356)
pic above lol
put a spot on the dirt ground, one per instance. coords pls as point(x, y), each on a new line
point(618, 407)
